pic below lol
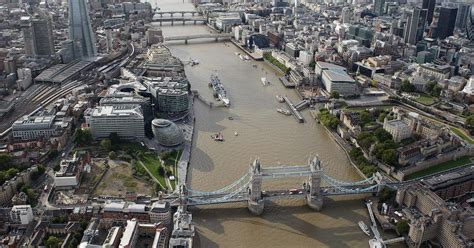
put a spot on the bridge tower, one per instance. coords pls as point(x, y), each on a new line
point(255, 202)
point(314, 198)
point(183, 196)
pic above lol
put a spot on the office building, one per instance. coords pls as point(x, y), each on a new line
point(470, 24)
point(38, 36)
point(379, 6)
point(429, 5)
point(447, 21)
point(463, 13)
point(335, 79)
point(80, 30)
point(125, 120)
point(34, 127)
point(415, 26)
point(21, 214)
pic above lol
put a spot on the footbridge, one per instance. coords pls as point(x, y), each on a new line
point(215, 36)
point(248, 188)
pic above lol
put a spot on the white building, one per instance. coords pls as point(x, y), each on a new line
point(398, 129)
point(34, 127)
point(160, 212)
point(130, 234)
point(125, 120)
point(335, 78)
point(22, 214)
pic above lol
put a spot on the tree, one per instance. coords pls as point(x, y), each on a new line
point(366, 117)
point(83, 137)
point(382, 117)
point(406, 86)
point(161, 171)
point(5, 161)
point(112, 155)
point(115, 140)
point(382, 135)
point(389, 156)
point(106, 144)
point(403, 227)
point(11, 172)
point(52, 242)
point(335, 95)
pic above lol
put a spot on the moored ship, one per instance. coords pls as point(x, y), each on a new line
point(219, 89)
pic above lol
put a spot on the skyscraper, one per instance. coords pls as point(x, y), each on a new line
point(415, 26)
point(379, 6)
point(446, 22)
point(470, 24)
point(80, 30)
point(463, 13)
point(429, 5)
point(38, 35)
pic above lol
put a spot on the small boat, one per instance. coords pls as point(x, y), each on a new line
point(265, 82)
point(280, 98)
point(237, 53)
point(254, 66)
point(283, 111)
point(373, 243)
point(236, 134)
point(241, 57)
point(364, 228)
point(230, 118)
point(217, 137)
point(246, 57)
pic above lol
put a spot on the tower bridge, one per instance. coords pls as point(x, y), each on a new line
point(248, 188)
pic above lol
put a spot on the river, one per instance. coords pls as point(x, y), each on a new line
point(265, 134)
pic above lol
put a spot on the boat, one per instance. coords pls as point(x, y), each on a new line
point(373, 243)
point(265, 82)
point(283, 111)
point(246, 57)
point(237, 53)
point(241, 57)
point(194, 62)
point(217, 137)
point(236, 134)
point(364, 228)
point(219, 90)
point(254, 66)
point(280, 98)
point(230, 118)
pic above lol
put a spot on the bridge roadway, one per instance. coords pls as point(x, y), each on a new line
point(172, 13)
point(195, 20)
point(214, 36)
point(243, 196)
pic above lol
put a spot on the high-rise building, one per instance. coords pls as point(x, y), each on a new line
point(415, 26)
point(38, 36)
point(429, 5)
point(379, 6)
point(446, 22)
point(80, 30)
point(463, 13)
point(470, 24)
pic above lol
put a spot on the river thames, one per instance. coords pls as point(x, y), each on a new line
point(265, 134)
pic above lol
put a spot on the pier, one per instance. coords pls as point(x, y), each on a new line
point(202, 99)
point(286, 83)
point(293, 110)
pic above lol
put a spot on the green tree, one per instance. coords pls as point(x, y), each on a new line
point(106, 144)
point(366, 117)
point(161, 171)
point(11, 172)
point(402, 226)
point(5, 161)
point(389, 156)
point(115, 140)
point(335, 95)
point(52, 153)
point(83, 137)
point(382, 117)
point(382, 135)
point(52, 242)
point(2, 177)
point(406, 86)
point(112, 155)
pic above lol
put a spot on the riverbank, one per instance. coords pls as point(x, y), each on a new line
point(252, 55)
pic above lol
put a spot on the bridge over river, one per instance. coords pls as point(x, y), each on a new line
point(248, 188)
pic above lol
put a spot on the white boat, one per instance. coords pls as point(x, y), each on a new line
point(373, 243)
point(246, 57)
point(236, 134)
point(280, 98)
point(237, 53)
point(264, 80)
point(364, 228)
point(241, 57)
point(283, 111)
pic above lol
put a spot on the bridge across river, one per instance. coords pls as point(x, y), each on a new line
point(183, 19)
point(215, 36)
point(172, 13)
point(248, 188)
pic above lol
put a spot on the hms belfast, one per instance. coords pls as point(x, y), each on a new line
point(219, 90)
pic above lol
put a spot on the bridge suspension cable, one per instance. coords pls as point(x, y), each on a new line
point(335, 182)
point(225, 198)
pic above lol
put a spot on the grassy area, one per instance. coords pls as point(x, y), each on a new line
point(425, 100)
point(275, 62)
point(440, 167)
point(153, 164)
point(462, 135)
